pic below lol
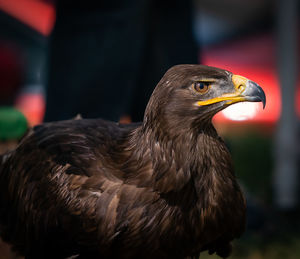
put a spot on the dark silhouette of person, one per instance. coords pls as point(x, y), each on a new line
point(106, 57)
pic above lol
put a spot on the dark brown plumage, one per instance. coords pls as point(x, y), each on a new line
point(164, 188)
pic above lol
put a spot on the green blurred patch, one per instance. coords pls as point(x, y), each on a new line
point(274, 249)
point(13, 124)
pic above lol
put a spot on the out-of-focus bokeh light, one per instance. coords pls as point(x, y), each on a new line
point(32, 106)
point(39, 15)
point(241, 111)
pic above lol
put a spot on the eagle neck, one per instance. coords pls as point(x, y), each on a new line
point(189, 159)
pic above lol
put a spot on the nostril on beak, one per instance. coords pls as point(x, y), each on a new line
point(241, 88)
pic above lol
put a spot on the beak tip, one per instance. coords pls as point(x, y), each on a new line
point(256, 93)
point(263, 100)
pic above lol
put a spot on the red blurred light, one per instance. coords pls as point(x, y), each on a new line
point(32, 106)
point(38, 15)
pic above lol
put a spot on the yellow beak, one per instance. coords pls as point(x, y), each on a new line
point(245, 91)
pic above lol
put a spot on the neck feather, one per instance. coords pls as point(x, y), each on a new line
point(171, 164)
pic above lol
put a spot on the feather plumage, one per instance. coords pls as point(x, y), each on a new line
point(164, 188)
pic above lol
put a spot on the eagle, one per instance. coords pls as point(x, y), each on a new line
point(162, 188)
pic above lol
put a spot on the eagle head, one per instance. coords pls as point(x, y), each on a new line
point(188, 96)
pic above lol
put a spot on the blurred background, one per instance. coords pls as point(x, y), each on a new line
point(63, 58)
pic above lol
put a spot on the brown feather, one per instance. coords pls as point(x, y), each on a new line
point(161, 189)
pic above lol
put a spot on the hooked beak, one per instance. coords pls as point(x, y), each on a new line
point(245, 91)
point(254, 93)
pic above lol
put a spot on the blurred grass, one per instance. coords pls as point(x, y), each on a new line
point(253, 162)
point(255, 248)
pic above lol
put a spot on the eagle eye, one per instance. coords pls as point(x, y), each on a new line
point(201, 87)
